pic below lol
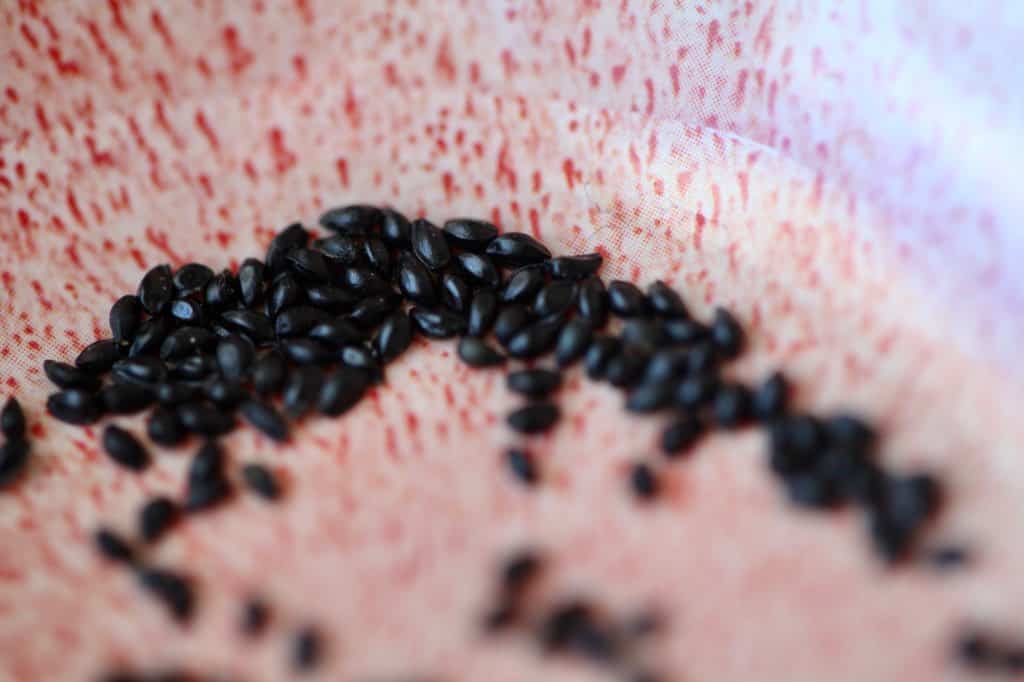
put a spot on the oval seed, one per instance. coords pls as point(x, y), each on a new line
point(302, 390)
point(222, 291)
point(178, 392)
point(534, 383)
point(602, 349)
point(372, 310)
point(124, 449)
point(650, 396)
point(156, 517)
point(195, 367)
point(150, 336)
point(337, 332)
point(251, 275)
point(478, 269)
point(429, 244)
point(357, 220)
point(13, 458)
point(284, 293)
point(341, 248)
point(643, 333)
point(684, 331)
point(625, 299)
point(98, 357)
point(261, 481)
point(726, 334)
point(226, 395)
point(732, 405)
point(12, 420)
point(164, 427)
point(187, 311)
point(455, 293)
point(306, 352)
point(393, 337)
point(437, 323)
point(378, 256)
point(682, 433)
point(535, 340)
point(234, 355)
point(395, 229)
point(307, 649)
point(268, 373)
point(664, 300)
point(142, 370)
point(365, 282)
point(174, 591)
point(265, 418)
point(696, 390)
point(205, 420)
point(156, 289)
point(308, 265)
point(523, 286)
point(127, 398)
point(112, 546)
point(255, 616)
point(593, 301)
point(125, 318)
point(186, 341)
point(299, 320)
point(470, 234)
point(361, 358)
point(534, 418)
point(555, 298)
point(483, 310)
point(626, 368)
point(64, 375)
point(415, 281)
point(510, 321)
point(522, 466)
point(643, 481)
point(514, 249)
point(192, 278)
point(573, 341)
point(256, 326)
point(477, 353)
point(292, 237)
point(342, 389)
point(575, 267)
point(74, 406)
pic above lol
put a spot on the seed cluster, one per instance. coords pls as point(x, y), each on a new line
point(15, 450)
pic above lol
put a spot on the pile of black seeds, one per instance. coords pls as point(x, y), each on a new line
point(15, 450)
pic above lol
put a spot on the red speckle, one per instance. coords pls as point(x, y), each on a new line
point(673, 72)
point(715, 202)
point(443, 62)
point(76, 212)
point(342, 165)
point(586, 42)
point(161, 29)
point(509, 63)
point(448, 183)
point(240, 58)
point(618, 72)
point(391, 73)
point(205, 129)
point(12, 94)
point(536, 181)
point(23, 218)
point(474, 73)
point(104, 158)
point(29, 36)
point(763, 39)
point(649, 86)
point(817, 190)
point(352, 108)
point(570, 52)
point(303, 8)
point(284, 158)
point(223, 238)
point(698, 231)
point(569, 171)
point(535, 222)
point(505, 171)
point(741, 180)
point(714, 37)
point(412, 422)
point(741, 89)
point(64, 68)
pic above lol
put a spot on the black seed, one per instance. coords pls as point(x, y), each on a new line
point(975, 650)
point(124, 448)
point(626, 368)
point(292, 237)
point(726, 334)
point(195, 367)
point(563, 623)
point(187, 311)
point(378, 256)
point(64, 375)
point(415, 280)
point(208, 463)
point(523, 285)
point(261, 481)
point(593, 302)
point(811, 491)
point(222, 291)
point(341, 390)
point(479, 269)
point(127, 398)
point(455, 293)
point(203, 495)
point(732, 405)
point(251, 275)
point(192, 279)
point(393, 337)
point(518, 570)
point(437, 323)
point(308, 265)
point(395, 229)
point(595, 642)
point(685, 331)
point(164, 427)
point(205, 419)
point(342, 249)
point(112, 546)
point(125, 318)
point(520, 462)
point(156, 289)
point(644, 334)
point(256, 326)
point(150, 336)
point(372, 310)
point(680, 435)
point(302, 389)
point(234, 355)
point(365, 282)
point(771, 397)
point(650, 396)
point(337, 332)
point(514, 249)
point(307, 649)
point(701, 358)
point(74, 406)
point(483, 310)
point(510, 321)
point(573, 341)
point(663, 300)
point(534, 418)
point(331, 298)
point(140, 370)
point(299, 320)
point(948, 558)
point(469, 234)
point(284, 293)
point(429, 244)
point(226, 395)
point(13, 458)
point(12, 420)
point(173, 590)
point(666, 364)
point(534, 383)
point(795, 442)
point(696, 390)
point(98, 357)
point(357, 220)
point(850, 433)
point(852, 474)
point(157, 517)
point(268, 373)
point(910, 500)
point(536, 339)
point(265, 418)
point(555, 298)
point(625, 299)
point(602, 349)
point(178, 392)
point(306, 352)
point(575, 267)
point(362, 358)
point(643, 481)
point(186, 341)
point(477, 353)
point(255, 616)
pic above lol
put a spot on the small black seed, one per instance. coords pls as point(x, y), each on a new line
point(12, 420)
point(291, 237)
point(64, 375)
point(393, 337)
point(625, 369)
point(478, 353)
point(301, 390)
point(341, 248)
point(602, 349)
point(663, 300)
point(852, 474)
point(256, 326)
point(520, 462)
point(575, 267)
point(643, 481)
point(534, 418)
point(372, 310)
point(563, 623)
point(195, 367)
point(429, 244)
point(74, 406)
point(696, 390)
point(593, 302)
point(948, 558)
point(732, 405)
point(518, 570)
point(378, 256)
point(644, 334)
point(357, 220)
point(268, 373)
point(187, 311)
point(234, 355)
point(192, 279)
point(650, 396)
point(535, 340)
point(156, 289)
point(667, 364)
point(483, 310)
point(337, 332)
point(141, 370)
point(534, 383)
point(455, 293)
point(112, 546)
point(164, 427)
point(205, 420)
point(341, 390)
point(255, 616)
point(771, 397)
point(909, 500)
point(307, 649)
point(573, 341)
point(222, 291)
point(173, 590)
point(701, 358)
point(306, 352)
point(13, 458)
point(479, 269)
point(811, 491)
point(510, 321)
point(299, 320)
point(395, 229)
point(308, 265)
point(178, 392)
point(261, 481)
point(203, 495)
point(284, 293)
point(523, 285)
point(726, 334)
point(225, 394)
point(685, 331)
point(795, 441)
point(470, 234)
point(331, 298)
point(186, 341)
point(127, 398)
point(438, 323)
point(98, 357)
point(150, 336)
point(125, 318)
point(974, 649)
point(251, 275)
point(124, 448)
point(362, 358)
point(555, 298)
point(514, 249)
point(156, 517)
point(681, 434)
point(208, 462)
point(850, 433)
point(415, 281)
point(625, 299)
point(365, 282)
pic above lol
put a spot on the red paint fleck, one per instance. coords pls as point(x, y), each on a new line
point(715, 203)
point(509, 63)
point(443, 61)
point(649, 86)
point(76, 212)
point(161, 29)
point(29, 36)
point(223, 238)
point(205, 129)
point(342, 166)
point(618, 72)
point(586, 42)
point(505, 172)
point(240, 58)
point(570, 52)
point(570, 172)
point(64, 68)
point(535, 222)
point(741, 180)
point(714, 36)
point(352, 108)
point(284, 158)
point(698, 231)
point(448, 183)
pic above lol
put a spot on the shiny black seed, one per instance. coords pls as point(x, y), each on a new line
point(573, 341)
point(357, 220)
point(395, 229)
point(208, 462)
point(853, 474)
point(202, 495)
point(726, 334)
point(514, 249)
point(795, 442)
point(602, 349)
point(644, 334)
point(643, 481)
point(771, 397)
point(437, 323)
point(308, 265)
point(299, 320)
point(341, 248)
point(98, 357)
point(292, 237)
point(268, 373)
point(64, 375)
point(112, 546)
point(195, 367)
point(140, 370)
point(850, 433)
point(478, 353)
point(127, 398)
point(534, 383)
point(125, 318)
point(284, 293)
point(521, 464)
point(124, 448)
point(156, 289)
point(593, 301)
point(265, 418)
point(337, 332)
point(479, 270)
point(234, 355)
point(625, 299)
point(150, 337)
point(331, 298)
point(415, 281)
point(186, 341)
point(536, 339)
point(701, 358)
point(372, 310)
point(341, 390)
point(261, 481)
point(510, 321)
point(12, 420)
point(948, 558)
point(523, 285)
point(256, 326)
point(362, 358)
point(469, 234)
point(811, 491)
point(302, 390)
point(255, 616)
point(378, 256)
point(205, 419)
point(173, 590)
point(682, 433)
point(555, 298)
point(306, 352)
point(666, 364)
point(534, 418)
point(625, 369)
point(157, 517)
point(696, 390)
point(224, 394)
point(663, 300)
point(455, 293)
point(393, 337)
point(222, 291)
point(563, 623)
point(13, 458)
point(164, 427)
point(575, 267)
point(685, 331)
point(483, 310)
point(192, 279)
point(365, 282)
point(429, 244)
point(910, 500)
point(650, 396)
point(732, 405)
point(187, 311)
point(74, 406)
point(518, 571)
point(251, 275)
point(307, 649)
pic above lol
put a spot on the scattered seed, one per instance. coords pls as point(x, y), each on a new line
point(726, 334)
point(301, 390)
point(125, 318)
point(360, 357)
point(974, 650)
point(701, 357)
point(518, 571)
point(12, 420)
point(148, 371)
point(602, 349)
point(563, 623)
point(265, 418)
point(393, 337)
point(372, 310)
point(357, 220)
point(415, 281)
point(186, 341)
point(573, 341)
point(523, 285)
point(64, 375)
point(377, 255)
point(470, 234)
point(685, 331)
point(331, 298)
point(148, 339)
point(395, 229)
point(478, 269)
point(291, 237)
point(625, 369)
point(308, 265)
point(223, 291)
point(429, 244)
point(74, 406)
point(520, 462)
point(98, 357)
point(681, 434)
point(555, 298)
point(284, 293)
point(156, 517)
point(13, 458)
point(534, 383)
point(194, 368)
point(186, 311)
point(255, 616)
point(268, 373)
point(696, 390)
point(455, 293)
point(203, 495)
point(437, 323)
point(124, 448)
point(477, 353)
point(256, 326)
point(535, 340)
point(341, 390)
point(306, 352)
point(534, 418)
point(337, 333)
point(665, 301)
point(650, 396)
point(850, 433)
point(643, 481)
point(771, 397)
point(666, 364)
point(515, 249)
point(261, 481)
point(500, 617)
point(483, 310)
point(948, 558)
point(593, 302)
point(575, 267)
point(307, 649)
point(173, 590)
point(251, 275)
point(112, 546)
point(156, 289)
point(299, 320)
point(732, 405)
point(510, 321)
point(234, 355)
point(625, 299)
point(205, 420)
